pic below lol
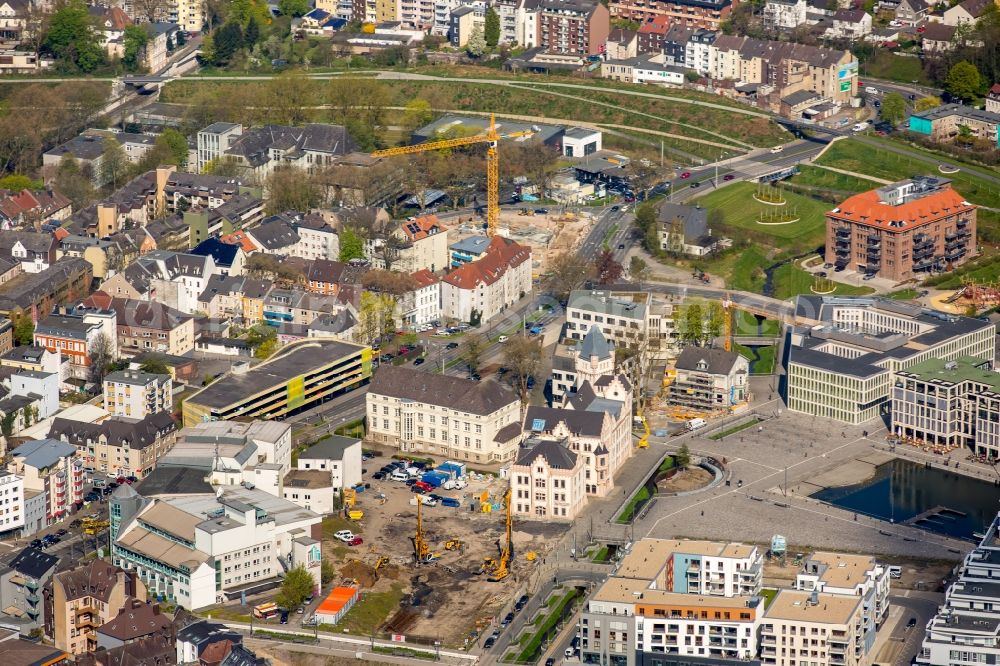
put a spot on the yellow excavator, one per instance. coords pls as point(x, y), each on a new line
point(379, 563)
point(453, 544)
point(644, 440)
point(501, 568)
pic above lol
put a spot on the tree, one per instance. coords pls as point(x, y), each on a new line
point(298, 585)
point(135, 40)
point(927, 103)
point(72, 39)
point(472, 352)
point(607, 268)
point(523, 356)
point(73, 183)
point(155, 367)
point(693, 324)
point(102, 355)
point(181, 39)
point(170, 43)
point(174, 143)
point(291, 188)
point(568, 270)
point(37, 17)
point(683, 457)
point(476, 46)
point(388, 282)
point(327, 572)
point(114, 163)
point(352, 246)
point(24, 330)
point(26, 416)
point(7, 424)
point(716, 319)
point(252, 34)
point(266, 348)
point(417, 114)
point(893, 108)
point(491, 32)
point(964, 81)
point(228, 40)
point(638, 269)
point(294, 7)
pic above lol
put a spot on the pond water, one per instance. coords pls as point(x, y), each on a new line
point(940, 500)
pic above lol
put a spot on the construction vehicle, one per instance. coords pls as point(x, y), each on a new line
point(350, 498)
point(421, 551)
point(531, 556)
point(491, 137)
point(379, 563)
point(644, 440)
point(453, 544)
point(502, 568)
point(92, 527)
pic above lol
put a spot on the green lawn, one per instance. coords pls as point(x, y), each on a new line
point(741, 210)
point(747, 272)
point(745, 323)
point(769, 594)
point(811, 176)
point(601, 555)
point(369, 612)
point(636, 502)
point(768, 358)
point(790, 281)
point(735, 429)
point(903, 294)
point(530, 652)
point(895, 67)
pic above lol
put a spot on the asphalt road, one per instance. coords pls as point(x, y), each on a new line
point(921, 608)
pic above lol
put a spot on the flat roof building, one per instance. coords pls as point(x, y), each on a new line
point(299, 375)
point(842, 366)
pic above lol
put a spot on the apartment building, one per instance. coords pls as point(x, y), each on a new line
point(51, 468)
point(576, 27)
point(11, 503)
point(945, 122)
point(489, 285)
point(825, 629)
point(312, 147)
point(120, 445)
point(422, 305)
point(137, 394)
point(964, 630)
point(74, 335)
point(785, 13)
point(338, 457)
point(709, 379)
point(853, 576)
point(199, 550)
point(951, 403)
point(676, 602)
point(82, 599)
point(461, 419)
point(22, 585)
point(424, 246)
point(630, 319)
point(547, 480)
point(902, 230)
point(707, 14)
point(842, 361)
point(213, 141)
point(143, 326)
point(295, 235)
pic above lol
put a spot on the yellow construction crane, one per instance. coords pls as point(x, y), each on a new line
point(727, 307)
point(492, 138)
point(421, 551)
point(502, 569)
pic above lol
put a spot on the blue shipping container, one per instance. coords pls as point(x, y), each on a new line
point(432, 479)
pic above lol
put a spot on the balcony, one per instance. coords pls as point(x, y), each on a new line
point(843, 232)
point(922, 252)
point(32, 599)
point(921, 240)
point(961, 224)
point(951, 235)
point(955, 254)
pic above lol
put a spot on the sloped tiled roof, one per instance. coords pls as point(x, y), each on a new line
point(466, 395)
point(555, 454)
point(501, 255)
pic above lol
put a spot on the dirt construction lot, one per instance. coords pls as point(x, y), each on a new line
point(443, 600)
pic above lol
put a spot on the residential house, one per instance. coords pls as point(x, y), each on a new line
point(232, 297)
point(423, 304)
point(41, 387)
point(229, 259)
point(35, 251)
point(330, 277)
point(74, 336)
point(154, 55)
point(850, 575)
point(652, 33)
point(82, 599)
point(852, 24)
point(88, 150)
point(968, 11)
point(22, 582)
point(709, 379)
point(13, 14)
point(630, 319)
point(143, 326)
point(338, 456)
point(424, 246)
point(462, 419)
point(137, 394)
point(189, 15)
point(464, 21)
point(621, 44)
point(707, 14)
point(50, 467)
point(938, 37)
point(644, 69)
point(213, 142)
point(946, 122)
point(311, 147)
point(28, 207)
point(64, 282)
point(785, 14)
point(911, 12)
point(798, 616)
point(111, 22)
point(120, 445)
point(684, 230)
point(135, 621)
point(484, 288)
point(547, 480)
point(12, 509)
point(6, 336)
point(295, 306)
point(993, 99)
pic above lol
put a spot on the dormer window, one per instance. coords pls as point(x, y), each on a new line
point(702, 365)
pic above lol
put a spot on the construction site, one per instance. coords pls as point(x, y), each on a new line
point(436, 573)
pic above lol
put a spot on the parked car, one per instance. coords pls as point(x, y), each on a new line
point(508, 619)
point(36, 543)
point(344, 535)
point(426, 487)
point(777, 149)
point(284, 617)
point(868, 276)
point(419, 361)
point(728, 177)
point(62, 531)
point(378, 476)
point(695, 184)
point(356, 541)
point(550, 661)
point(541, 211)
point(91, 497)
point(911, 623)
point(76, 523)
point(489, 642)
point(522, 602)
point(451, 345)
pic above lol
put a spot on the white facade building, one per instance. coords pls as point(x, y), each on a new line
point(423, 304)
point(490, 285)
point(339, 456)
point(11, 502)
point(785, 13)
point(137, 394)
point(44, 385)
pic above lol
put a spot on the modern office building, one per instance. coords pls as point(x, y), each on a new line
point(137, 394)
point(630, 319)
point(201, 549)
point(966, 626)
point(462, 419)
point(951, 403)
point(843, 358)
point(299, 375)
point(902, 230)
point(815, 627)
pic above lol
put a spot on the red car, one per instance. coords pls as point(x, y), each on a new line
point(426, 487)
point(356, 541)
point(686, 174)
point(121, 480)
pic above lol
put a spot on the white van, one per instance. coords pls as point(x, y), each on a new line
point(895, 572)
point(694, 424)
point(860, 127)
point(399, 475)
point(502, 339)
